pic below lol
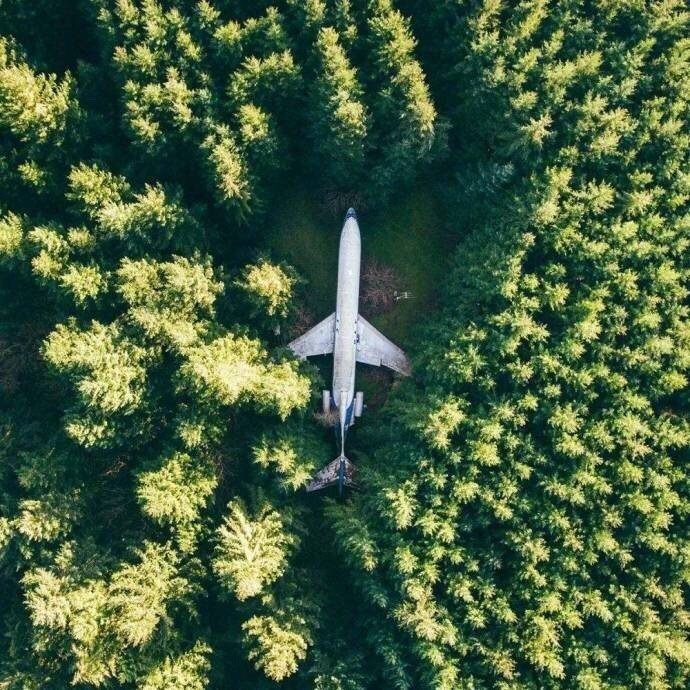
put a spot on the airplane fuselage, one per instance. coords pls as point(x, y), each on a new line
point(351, 339)
point(346, 312)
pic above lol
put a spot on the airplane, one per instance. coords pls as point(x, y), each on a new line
point(351, 339)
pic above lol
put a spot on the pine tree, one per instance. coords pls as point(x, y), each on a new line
point(269, 290)
point(275, 648)
point(339, 125)
point(523, 514)
point(517, 548)
point(251, 551)
point(402, 97)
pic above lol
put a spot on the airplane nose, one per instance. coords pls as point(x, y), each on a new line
point(351, 214)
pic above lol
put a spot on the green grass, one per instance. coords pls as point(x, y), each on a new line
point(298, 235)
point(407, 237)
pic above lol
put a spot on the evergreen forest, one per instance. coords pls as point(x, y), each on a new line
point(174, 176)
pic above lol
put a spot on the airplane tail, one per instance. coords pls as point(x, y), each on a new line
point(341, 472)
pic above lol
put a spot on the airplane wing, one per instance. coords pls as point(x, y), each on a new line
point(374, 348)
point(317, 340)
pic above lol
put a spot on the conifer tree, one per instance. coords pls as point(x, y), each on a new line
point(540, 475)
point(402, 97)
point(523, 514)
point(251, 551)
point(339, 124)
point(269, 287)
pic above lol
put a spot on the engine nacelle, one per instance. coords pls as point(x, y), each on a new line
point(359, 404)
point(326, 401)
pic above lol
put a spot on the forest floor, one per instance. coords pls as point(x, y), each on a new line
point(409, 237)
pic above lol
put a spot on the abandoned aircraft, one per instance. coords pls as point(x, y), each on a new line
point(351, 339)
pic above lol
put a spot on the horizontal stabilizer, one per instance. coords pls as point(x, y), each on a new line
point(332, 474)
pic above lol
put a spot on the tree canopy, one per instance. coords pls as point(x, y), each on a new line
point(523, 514)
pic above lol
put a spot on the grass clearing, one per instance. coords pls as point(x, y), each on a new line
point(407, 236)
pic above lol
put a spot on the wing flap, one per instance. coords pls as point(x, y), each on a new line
point(374, 348)
point(317, 340)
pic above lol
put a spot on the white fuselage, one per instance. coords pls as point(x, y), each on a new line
point(346, 312)
point(350, 338)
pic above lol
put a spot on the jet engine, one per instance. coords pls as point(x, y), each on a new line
point(359, 404)
point(326, 401)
